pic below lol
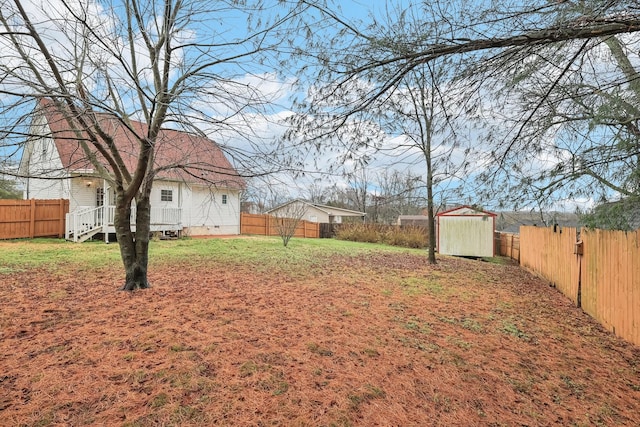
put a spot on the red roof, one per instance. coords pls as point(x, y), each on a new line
point(179, 156)
point(451, 211)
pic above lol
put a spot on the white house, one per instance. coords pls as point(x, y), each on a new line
point(196, 190)
point(313, 212)
point(466, 231)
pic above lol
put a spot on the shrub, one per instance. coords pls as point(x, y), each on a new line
point(359, 233)
point(410, 237)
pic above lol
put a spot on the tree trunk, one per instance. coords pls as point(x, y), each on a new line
point(134, 247)
point(431, 216)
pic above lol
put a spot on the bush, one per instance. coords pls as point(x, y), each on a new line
point(367, 233)
point(410, 236)
point(413, 237)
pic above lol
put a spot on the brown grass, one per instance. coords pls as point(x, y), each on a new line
point(377, 339)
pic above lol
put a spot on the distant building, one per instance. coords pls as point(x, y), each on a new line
point(415, 220)
point(314, 212)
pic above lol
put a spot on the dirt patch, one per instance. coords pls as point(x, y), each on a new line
point(381, 339)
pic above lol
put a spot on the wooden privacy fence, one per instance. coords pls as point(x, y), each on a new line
point(550, 252)
point(610, 280)
point(266, 225)
point(508, 244)
point(32, 218)
point(600, 273)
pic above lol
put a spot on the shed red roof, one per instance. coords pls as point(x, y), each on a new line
point(179, 156)
point(450, 212)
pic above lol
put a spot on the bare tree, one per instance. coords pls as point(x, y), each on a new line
point(421, 111)
point(462, 27)
point(400, 193)
point(365, 62)
point(359, 190)
point(287, 218)
point(136, 67)
point(315, 192)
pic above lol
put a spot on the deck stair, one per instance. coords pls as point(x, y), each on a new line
point(84, 224)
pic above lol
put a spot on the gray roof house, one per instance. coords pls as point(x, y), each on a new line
point(313, 212)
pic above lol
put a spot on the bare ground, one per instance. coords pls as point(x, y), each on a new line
point(371, 340)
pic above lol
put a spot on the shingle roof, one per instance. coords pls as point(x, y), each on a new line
point(186, 157)
point(466, 209)
point(330, 210)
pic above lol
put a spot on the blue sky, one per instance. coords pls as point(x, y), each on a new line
point(279, 89)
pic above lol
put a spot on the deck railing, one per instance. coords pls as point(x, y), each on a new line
point(83, 222)
point(159, 216)
point(87, 221)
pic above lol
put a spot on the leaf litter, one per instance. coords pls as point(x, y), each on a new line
point(375, 339)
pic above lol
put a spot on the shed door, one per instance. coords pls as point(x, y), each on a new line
point(466, 235)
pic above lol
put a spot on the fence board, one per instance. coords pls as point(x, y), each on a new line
point(549, 251)
point(265, 225)
point(32, 218)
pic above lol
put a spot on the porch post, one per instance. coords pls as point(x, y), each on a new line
point(105, 211)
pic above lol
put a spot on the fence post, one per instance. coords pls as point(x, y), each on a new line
point(61, 214)
point(511, 255)
point(32, 218)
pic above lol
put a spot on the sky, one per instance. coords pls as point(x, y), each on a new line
point(266, 126)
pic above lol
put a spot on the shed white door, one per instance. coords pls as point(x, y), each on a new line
point(466, 235)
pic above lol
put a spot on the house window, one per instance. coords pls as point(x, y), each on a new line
point(166, 195)
point(224, 199)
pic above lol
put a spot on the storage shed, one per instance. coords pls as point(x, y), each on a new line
point(466, 231)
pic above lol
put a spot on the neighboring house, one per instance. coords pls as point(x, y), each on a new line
point(313, 212)
point(466, 231)
point(196, 190)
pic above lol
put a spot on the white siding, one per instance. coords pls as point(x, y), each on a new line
point(44, 188)
point(466, 235)
point(311, 213)
point(314, 214)
point(156, 194)
point(41, 159)
point(83, 193)
point(205, 214)
point(321, 214)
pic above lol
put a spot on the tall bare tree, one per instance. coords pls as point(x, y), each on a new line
point(400, 193)
point(121, 63)
point(421, 113)
point(366, 61)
